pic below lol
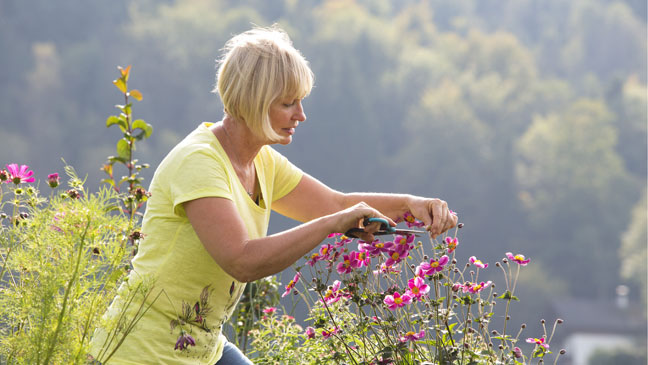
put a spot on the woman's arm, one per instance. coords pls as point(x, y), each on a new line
point(221, 230)
point(311, 199)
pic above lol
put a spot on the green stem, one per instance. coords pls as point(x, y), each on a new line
point(68, 290)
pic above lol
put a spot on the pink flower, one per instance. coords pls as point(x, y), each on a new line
point(270, 310)
point(347, 265)
point(343, 241)
point(328, 333)
point(310, 332)
point(53, 180)
point(417, 287)
point(517, 352)
point(478, 263)
point(404, 240)
point(291, 284)
point(184, 341)
point(375, 248)
point(334, 235)
point(538, 341)
point(433, 267)
point(519, 258)
point(476, 288)
point(19, 175)
point(452, 243)
point(411, 221)
point(333, 293)
point(412, 336)
point(397, 301)
point(360, 259)
point(397, 254)
point(384, 269)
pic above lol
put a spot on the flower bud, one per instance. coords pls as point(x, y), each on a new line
point(53, 180)
point(563, 351)
point(460, 225)
point(559, 320)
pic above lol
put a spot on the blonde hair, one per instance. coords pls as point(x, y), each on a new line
point(258, 67)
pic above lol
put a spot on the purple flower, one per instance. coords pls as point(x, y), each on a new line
point(184, 341)
point(517, 352)
point(375, 248)
point(19, 175)
point(411, 221)
point(310, 332)
point(347, 265)
point(417, 287)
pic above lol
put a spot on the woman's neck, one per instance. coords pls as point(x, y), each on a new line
point(238, 141)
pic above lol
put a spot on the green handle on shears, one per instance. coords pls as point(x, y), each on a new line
point(384, 224)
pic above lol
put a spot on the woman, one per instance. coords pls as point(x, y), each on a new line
point(206, 221)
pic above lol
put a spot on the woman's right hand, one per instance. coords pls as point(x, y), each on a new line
point(353, 216)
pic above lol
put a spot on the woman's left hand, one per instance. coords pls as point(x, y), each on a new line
point(434, 213)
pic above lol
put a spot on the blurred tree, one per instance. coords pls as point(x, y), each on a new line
point(634, 258)
point(576, 191)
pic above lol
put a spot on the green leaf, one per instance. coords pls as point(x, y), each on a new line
point(111, 120)
point(123, 149)
point(121, 85)
point(114, 159)
point(508, 296)
point(146, 128)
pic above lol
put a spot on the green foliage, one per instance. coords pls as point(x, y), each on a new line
point(61, 266)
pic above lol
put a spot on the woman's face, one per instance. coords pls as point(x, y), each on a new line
point(285, 115)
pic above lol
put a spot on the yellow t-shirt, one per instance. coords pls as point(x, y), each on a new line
point(172, 256)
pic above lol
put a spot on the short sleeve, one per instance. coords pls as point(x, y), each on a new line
point(286, 175)
point(198, 174)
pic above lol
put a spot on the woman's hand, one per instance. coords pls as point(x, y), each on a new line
point(434, 213)
point(353, 216)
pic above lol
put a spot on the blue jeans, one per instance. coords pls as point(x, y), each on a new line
point(232, 355)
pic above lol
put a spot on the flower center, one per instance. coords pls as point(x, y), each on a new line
point(435, 264)
point(402, 241)
point(347, 263)
point(380, 245)
point(519, 257)
point(398, 300)
point(395, 256)
point(409, 334)
point(415, 290)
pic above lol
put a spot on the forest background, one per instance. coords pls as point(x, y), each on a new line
point(527, 116)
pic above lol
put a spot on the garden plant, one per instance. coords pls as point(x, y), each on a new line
point(399, 301)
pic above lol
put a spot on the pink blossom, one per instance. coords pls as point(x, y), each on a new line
point(417, 287)
point(404, 240)
point(53, 180)
point(360, 259)
point(519, 258)
point(19, 175)
point(411, 221)
point(478, 263)
point(333, 293)
point(291, 284)
point(538, 341)
point(397, 254)
point(452, 243)
point(331, 235)
point(412, 336)
point(517, 352)
point(347, 265)
point(432, 267)
point(384, 269)
point(310, 332)
point(397, 301)
point(475, 287)
point(330, 332)
point(269, 310)
point(375, 248)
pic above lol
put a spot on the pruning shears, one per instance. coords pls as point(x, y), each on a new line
point(385, 228)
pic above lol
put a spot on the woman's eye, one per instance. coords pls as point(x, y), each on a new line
point(289, 104)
